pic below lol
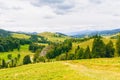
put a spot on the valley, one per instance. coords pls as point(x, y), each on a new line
point(56, 56)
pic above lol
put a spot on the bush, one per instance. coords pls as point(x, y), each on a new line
point(41, 59)
point(61, 57)
point(9, 56)
point(26, 59)
point(71, 57)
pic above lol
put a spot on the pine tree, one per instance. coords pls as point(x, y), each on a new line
point(118, 46)
point(110, 49)
point(1, 48)
point(80, 54)
point(98, 49)
point(87, 53)
point(3, 63)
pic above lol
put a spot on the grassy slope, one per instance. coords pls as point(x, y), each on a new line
point(21, 36)
point(112, 35)
point(94, 69)
point(50, 36)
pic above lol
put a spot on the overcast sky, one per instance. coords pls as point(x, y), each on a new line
point(59, 15)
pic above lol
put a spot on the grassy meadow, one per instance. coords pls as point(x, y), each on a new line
point(23, 51)
point(90, 69)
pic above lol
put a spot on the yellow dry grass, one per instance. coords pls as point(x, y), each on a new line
point(21, 36)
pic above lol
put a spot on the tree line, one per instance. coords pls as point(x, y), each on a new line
point(8, 44)
point(59, 48)
point(33, 47)
point(99, 50)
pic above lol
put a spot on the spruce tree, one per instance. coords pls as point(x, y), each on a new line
point(80, 54)
point(3, 63)
point(110, 49)
point(98, 49)
point(87, 53)
point(118, 46)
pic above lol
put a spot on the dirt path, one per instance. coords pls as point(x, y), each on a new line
point(93, 74)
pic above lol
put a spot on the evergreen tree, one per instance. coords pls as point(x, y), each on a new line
point(3, 63)
point(98, 49)
point(71, 57)
point(0, 62)
point(15, 61)
point(118, 46)
point(87, 53)
point(80, 54)
point(1, 48)
point(110, 49)
point(18, 56)
point(76, 51)
point(12, 63)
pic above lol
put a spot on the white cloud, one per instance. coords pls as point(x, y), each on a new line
point(59, 15)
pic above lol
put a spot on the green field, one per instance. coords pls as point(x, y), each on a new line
point(23, 51)
point(90, 69)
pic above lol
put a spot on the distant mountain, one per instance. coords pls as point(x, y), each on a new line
point(5, 33)
point(92, 33)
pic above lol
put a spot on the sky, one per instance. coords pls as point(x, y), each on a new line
point(59, 15)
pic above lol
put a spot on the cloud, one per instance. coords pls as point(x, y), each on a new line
point(96, 1)
point(59, 15)
point(59, 6)
point(9, 5)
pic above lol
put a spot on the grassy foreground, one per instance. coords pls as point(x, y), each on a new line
point(90, 69)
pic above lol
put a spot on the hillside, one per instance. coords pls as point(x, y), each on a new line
point(4, 33)
point(89, 43)
point(54, 36)
point(93, 69)
point(20, 36)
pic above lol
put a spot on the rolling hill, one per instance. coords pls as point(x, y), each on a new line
point(54, 37)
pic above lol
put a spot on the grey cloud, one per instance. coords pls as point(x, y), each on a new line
point(96, 1)
point(48, 17)
point(3, 6)
point(51, 1)
point(58, 6)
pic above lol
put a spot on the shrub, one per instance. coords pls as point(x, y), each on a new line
point(26, 59)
